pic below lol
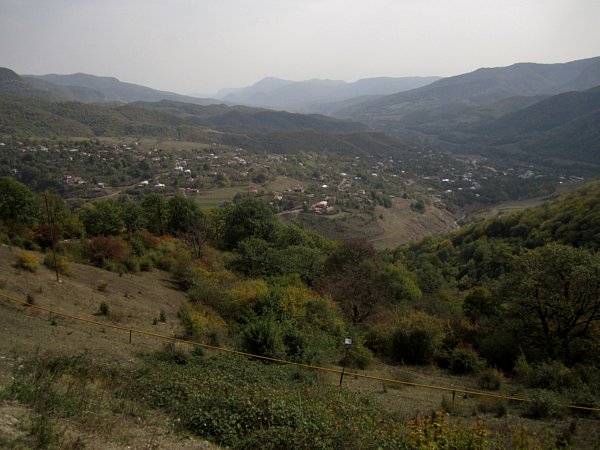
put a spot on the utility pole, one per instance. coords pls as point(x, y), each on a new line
point(51, 227)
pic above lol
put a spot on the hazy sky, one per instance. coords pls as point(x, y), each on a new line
point(202, 45)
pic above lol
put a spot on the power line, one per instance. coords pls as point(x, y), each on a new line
point(282, 361)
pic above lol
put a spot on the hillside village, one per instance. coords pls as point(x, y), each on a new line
point(320, 183)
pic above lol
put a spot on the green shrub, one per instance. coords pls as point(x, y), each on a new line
point(552, 375)
point(359, 357)
point(497, 407)
point(418, 338)
point(201, 322)
point(465, 360)
point(27, 260)
point(28, 244)
point(163, 262)
point(132, 264)
point(44, 432)
point(263, 336)
point(146, 263)
point(184, 271)
point(543, 405)
point(209, 292)
point(584, 396)
point(378, 338)
point(522, 370)
point(490, 379)
point(104, 309)
point(62, 263)
point(588, 374)
point(296, 343)
point(112, 266)
point(171, 353)
point(163, 255)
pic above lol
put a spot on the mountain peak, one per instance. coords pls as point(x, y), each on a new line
point(6, 74)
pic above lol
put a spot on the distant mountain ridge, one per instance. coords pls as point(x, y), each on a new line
point(251, 128)
point(563, 127)
point(549, 113)
point(309, 95)
point(483, 86)
point(12, 84)
point(108, 89)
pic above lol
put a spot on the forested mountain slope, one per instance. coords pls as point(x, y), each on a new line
point(27, 116)
point(485, 85)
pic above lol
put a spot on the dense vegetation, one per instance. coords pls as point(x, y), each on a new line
point(233, 402)
point(530, 279)
point(516, 295)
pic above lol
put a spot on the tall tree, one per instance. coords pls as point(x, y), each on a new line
point(133, 217)
point(183, 215)
point(18, 205)
point(554, 295)
point(156, 213)
point(360, 282)
point(102, 219)
point(249, 218)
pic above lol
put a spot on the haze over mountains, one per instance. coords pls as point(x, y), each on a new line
point(86, 88)
point(314, 95)
point(37, 106)
point(525, 110)
point(106, 89)
point(485, 86)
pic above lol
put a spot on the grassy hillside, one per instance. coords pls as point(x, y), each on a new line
point(448, 311)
